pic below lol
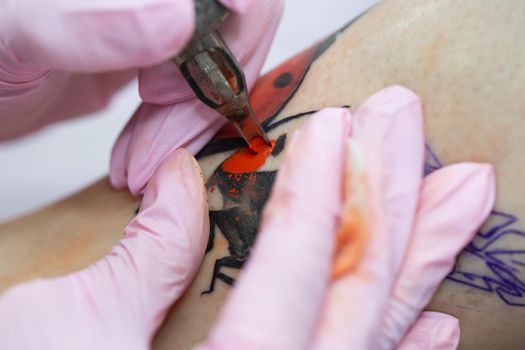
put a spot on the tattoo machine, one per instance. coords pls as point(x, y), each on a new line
point(214, 74)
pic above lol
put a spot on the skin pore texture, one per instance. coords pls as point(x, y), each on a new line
point(465, 61)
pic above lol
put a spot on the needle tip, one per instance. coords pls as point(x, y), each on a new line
point(249, 128)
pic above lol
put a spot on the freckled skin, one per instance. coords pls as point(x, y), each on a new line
point(465, 60)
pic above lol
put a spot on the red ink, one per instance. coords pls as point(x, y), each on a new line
point(266, 99)
point(244, 160)
point(212, 184)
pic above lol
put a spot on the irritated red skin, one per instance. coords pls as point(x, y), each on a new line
point(249, 159)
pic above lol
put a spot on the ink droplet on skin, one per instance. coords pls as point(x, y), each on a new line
point(245, 160)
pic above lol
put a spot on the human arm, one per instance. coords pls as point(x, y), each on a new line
point(120, 300)
point(469, 83)
point(354, 267)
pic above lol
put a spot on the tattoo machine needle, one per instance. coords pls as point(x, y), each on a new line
point(214, 74)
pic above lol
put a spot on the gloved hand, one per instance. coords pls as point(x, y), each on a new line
point(171, 116)
point(64, 58)
point(353, 242)
point(120, 301)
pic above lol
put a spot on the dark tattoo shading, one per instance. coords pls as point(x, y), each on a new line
point(246, 193)
point(504, 269)
point(244, 197)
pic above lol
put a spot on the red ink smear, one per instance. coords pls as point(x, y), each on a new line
point(351, 242)
point(212, 184)
point(244, 160)
point(265, 98)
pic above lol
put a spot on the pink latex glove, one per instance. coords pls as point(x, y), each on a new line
point(286, 298)
point(120, 301)
point(65, 58)
point(432, 331)
point(171, 116)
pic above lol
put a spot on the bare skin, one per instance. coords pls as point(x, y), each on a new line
point(465, 61)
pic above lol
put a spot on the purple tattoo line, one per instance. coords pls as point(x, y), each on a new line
point(505, 268)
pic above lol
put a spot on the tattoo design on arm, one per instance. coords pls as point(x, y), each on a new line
point(490, 267)
point(244, 194)
point(502, 269)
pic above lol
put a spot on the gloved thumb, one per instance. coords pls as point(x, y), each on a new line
point(93, 36)
point(164, 245)
point(119, 302)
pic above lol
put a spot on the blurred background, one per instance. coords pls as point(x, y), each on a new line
point(59, 160)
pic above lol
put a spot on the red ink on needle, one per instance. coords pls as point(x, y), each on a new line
point(249, 159)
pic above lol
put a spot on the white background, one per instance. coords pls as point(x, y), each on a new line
point(59, 160)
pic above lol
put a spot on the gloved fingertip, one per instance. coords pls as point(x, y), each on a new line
point(329, 126)
point(179, 170)
point(390, 99)
point(240, 7)
point(447, 333)
point(313, 165)
point(136, 188)
point(472, 184)
point(117, 164)
point(432, 331)
point(117, 171)
point(164, 44)
point(392, 119)
point(487, 177)
point(116, 181)
point(483, 178)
